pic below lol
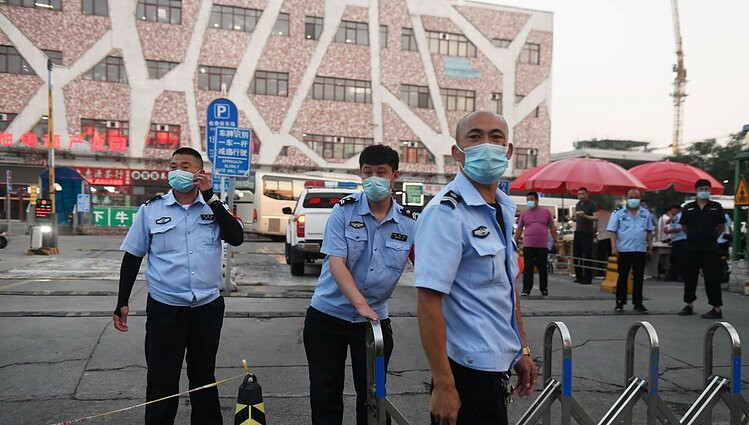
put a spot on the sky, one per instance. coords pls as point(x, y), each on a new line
point(612, 69)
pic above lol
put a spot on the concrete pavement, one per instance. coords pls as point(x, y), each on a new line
point(61, 358)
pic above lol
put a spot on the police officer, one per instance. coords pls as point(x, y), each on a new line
point(181, 233)
point(469, 309)
point(367, 240)
point(631, 228)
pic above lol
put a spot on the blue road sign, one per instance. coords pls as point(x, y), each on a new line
point(220, 113)
point(504, 186)
point(231, 155)
point(216, 182)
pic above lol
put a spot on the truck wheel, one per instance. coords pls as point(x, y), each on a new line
point(297, 263)
point(287, 253)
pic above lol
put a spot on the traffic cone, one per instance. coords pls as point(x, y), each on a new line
point(250, 409)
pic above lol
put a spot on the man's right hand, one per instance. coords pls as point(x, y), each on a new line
point(120, 322)
point(614, 252)
point(365, 311)
point(444, 405)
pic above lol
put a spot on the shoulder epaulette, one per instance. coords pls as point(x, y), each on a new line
point(408, 213)
point(153, 199)
point(347, 200)
point(451, 199)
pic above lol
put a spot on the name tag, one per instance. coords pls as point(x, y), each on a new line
point(481, 232)
point(163, 220)
point(207, 217)
point(356, 224)
point(399, 237)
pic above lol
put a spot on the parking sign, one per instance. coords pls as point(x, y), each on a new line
point(220, 113)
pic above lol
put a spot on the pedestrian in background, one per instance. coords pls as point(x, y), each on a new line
point(631, 228)
point(535, 225)
point(582, 246)
point(724, 245)
point(703, 221)
point(603, 237)
point(663, 222)
point(181, 232)
point(678, 243)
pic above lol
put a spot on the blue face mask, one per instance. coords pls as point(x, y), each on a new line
point(633, 203)
point(485, 163)
point(181, 180)
point(703, 195)
point(531, 204)
point(376, 188)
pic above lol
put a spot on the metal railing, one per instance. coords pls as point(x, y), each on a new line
point(380, 407)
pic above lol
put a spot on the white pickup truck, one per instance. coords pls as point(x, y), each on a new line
point(305, 228)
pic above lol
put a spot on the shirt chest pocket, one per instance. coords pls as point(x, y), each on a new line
point(356, 243)
point(488, 264)
point(164, 238)
point(208, 231)
point(396, 254)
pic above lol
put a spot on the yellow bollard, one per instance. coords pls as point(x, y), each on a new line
point(612, 276)
point(250, 407)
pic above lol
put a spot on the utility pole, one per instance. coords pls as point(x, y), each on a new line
point(51, 156)
point(680, 81)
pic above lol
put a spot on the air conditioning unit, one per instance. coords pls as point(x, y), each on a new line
point(162, 127)
point(412, 144)
point(496, 96)
point(3, 117)
point(444, 36)
point(113, 124)
point(532, 151)
point(338, 139)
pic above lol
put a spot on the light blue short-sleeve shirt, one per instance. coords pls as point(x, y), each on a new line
point(631, 232)
point(183, 244)
point(375, 255)
point(462, 253)
point(675, 224)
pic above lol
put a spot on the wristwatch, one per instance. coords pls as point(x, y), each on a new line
point(527, 351)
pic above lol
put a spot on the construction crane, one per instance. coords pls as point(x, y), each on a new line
point(680, 82)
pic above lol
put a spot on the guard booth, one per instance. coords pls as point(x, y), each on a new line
point(741, 208)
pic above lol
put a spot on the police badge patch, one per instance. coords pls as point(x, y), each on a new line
point(163, 220)
point(399, 237)
point(207, 217)
point(481, 232)
point(356, 224)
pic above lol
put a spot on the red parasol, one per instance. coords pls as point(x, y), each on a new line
point(519, 184)
point(596, 175)
point(664, 174)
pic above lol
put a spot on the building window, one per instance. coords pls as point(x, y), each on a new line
point(537, 112)
point(157, 69)
point(496, 102)
point(408, 40)
point(111, 69)
point(414, 152)
point(11, 62)
point(458, 100)
point(525, 158)
point(212, 77)
point(501, 42)
point(55, 55)
point(164, 11)
point(202, 138)
point(342, 90)
point(282, 25)
point(351, 32)
point(101, 134)
point(531, 54)
point(39, 4)
point(337, 147)
point(383, 36)
point(312, 27)
point(163, 136)
point(5, 120)
point(95, 7)
point(416, 96)
point(270, 83)
point(450, 44)
point(234, 18)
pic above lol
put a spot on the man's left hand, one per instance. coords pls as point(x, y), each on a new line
point(202, 180)
point(527, 376)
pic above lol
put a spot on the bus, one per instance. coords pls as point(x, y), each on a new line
point(260, 198)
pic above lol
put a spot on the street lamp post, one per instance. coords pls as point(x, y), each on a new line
point(51, 156)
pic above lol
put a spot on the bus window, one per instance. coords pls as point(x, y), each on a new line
point(278, 188)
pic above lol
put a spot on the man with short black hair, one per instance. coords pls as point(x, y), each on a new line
point(586, 213)
point(367, 241)
point(703, 221)
point(181, 232)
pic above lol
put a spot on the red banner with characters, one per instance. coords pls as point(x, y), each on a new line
point(98, 176)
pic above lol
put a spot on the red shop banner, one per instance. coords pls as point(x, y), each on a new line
point(120, 176)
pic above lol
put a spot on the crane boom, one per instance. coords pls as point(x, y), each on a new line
point(680, 82)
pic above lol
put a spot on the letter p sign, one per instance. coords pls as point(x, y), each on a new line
point(221, 111)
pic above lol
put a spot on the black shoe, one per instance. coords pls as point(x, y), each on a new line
point(712, 314)
point(686, 311)
point(524, 294)
point(544, 292)
point(619, 307)
point(641, 308)
point(585, 283)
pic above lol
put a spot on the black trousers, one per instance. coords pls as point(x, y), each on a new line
point(723, 249)
point(482, 396)
point(677, 260)
point(169, 331)
point(326, 339)
point(602, 254)
point(535, 258)
point(627, 261)
point(709, 262)
point(582, 250)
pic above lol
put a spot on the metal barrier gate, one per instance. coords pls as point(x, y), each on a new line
point(637, 389)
